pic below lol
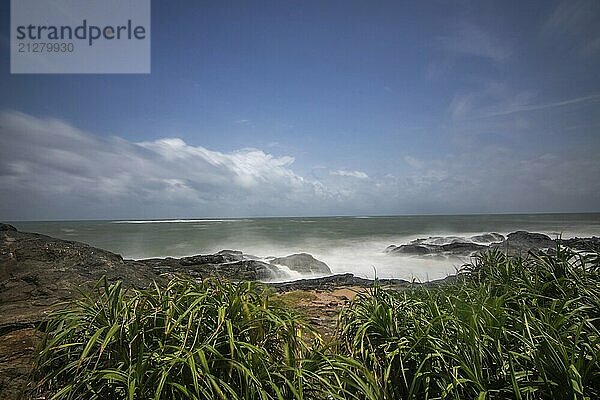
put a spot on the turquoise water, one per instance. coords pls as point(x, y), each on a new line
point(346, 244)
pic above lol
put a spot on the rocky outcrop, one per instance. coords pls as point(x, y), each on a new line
point(336, 281)
point(488, 238)
point(522, 240)
point(514, 243)
point(455, 248)
point(582, 244)
point(38, 271)
point(7, 227)
point(303, 263)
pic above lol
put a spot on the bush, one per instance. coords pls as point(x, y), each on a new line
point(506, 327)
point(191, 340)
point(509, 327)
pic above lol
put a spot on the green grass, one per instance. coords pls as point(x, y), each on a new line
point(508, 328)
point(209, 340)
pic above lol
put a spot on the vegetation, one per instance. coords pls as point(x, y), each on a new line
point(507, 327)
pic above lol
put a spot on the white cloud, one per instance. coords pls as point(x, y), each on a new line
point(52, 170)
point(352, 174)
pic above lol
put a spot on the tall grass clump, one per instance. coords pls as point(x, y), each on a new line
point(509, 327)
point(209, 340)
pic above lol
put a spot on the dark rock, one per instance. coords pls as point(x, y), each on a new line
point(7, 227)
point(412, 249)
point(37, 271)
point(461, 248)
point(582, 244)
point(335, 281)
point(454, 248)
point(303, 263)
point(488, 238)
point(207, 259)
point(233, 255)
point(524, 241)
point(390, 248)
point(244, 270)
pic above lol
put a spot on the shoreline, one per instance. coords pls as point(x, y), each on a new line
point(39, 272)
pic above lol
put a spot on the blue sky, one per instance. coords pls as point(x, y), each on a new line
point(257, 108)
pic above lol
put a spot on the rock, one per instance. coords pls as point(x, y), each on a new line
point(582, 244)
point(233, 255)
point(390, 248)
point(412, 249)
point(244, 270)
point(515, 242)
point(207, 259)
point(488, 238)
point(7, 227)
point(17, 354)
point(37, 271)
point(303, 263)
point(335, 281)
point(461, 248)
point(454, 248)
point(525, 241)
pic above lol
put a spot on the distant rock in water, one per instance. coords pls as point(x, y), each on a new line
point(488, 238)
point(527, 241)
point(515, 242)
point(303, 263)
point(454, 248)
point(414, 249)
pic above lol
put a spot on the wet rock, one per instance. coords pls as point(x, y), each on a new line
point(582, 244)
point(303, 263)
point(461, 248)
point(233, 255)
point(525, 241)
point(411, 249)
point(488, 238)
point(454, 248)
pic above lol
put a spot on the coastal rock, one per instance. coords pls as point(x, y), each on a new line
point(412, 249)
point(488, 238)
point(336, 281)
point(233, 255)
point(7, 227)
point(514, 242)
point(461, 248)
point(37, 271)
point(454, 248)
point(303, 263)
point(582, 244)
point(525, 241)
point(243, 270)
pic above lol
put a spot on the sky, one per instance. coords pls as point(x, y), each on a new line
point(288, 108)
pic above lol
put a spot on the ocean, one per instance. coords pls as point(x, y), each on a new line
point(347, 244)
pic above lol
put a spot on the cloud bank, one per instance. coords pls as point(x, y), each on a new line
point(50, 169)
